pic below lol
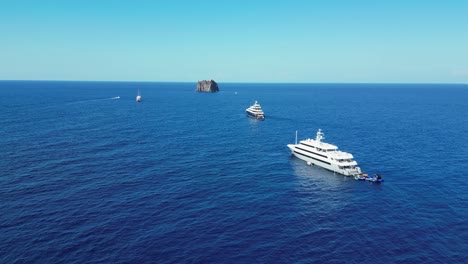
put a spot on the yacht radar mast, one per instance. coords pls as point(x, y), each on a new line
point(320, 136)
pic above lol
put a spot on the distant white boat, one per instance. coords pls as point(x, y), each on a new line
point(255, 111)
point(138, 98)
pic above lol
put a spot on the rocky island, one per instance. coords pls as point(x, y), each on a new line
point(207, 86)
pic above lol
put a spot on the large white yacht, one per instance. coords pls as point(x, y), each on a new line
point(325, 155)
point(255, 111)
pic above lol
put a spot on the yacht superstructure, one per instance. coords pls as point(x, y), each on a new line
point(325, 155)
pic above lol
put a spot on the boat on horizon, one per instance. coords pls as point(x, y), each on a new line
point(255, 111)
point(325, 155)
point(138, 98)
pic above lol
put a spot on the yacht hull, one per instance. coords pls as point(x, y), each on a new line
point(254, 116)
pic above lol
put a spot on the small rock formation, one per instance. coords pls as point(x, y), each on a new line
point(207, 86)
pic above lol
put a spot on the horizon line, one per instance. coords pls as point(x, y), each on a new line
point(229, 82)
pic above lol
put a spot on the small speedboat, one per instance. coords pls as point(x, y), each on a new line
point(376, 178)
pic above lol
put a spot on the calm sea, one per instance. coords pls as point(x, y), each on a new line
point(87, 175)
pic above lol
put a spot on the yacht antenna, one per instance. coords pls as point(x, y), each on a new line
point(296, 137)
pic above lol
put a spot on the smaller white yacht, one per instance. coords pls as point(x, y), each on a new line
point(255, 111)
point(325, 155)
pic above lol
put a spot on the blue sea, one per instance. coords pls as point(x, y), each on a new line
point(87, 175)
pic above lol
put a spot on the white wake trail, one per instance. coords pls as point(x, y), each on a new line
point(94, 100)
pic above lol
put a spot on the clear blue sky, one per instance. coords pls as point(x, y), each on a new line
point(235, 41)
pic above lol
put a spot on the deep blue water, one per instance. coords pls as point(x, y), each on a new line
point(186, 177)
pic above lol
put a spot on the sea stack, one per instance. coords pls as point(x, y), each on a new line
point(207, 86)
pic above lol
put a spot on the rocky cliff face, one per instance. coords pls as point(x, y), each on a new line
point(207, 86)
